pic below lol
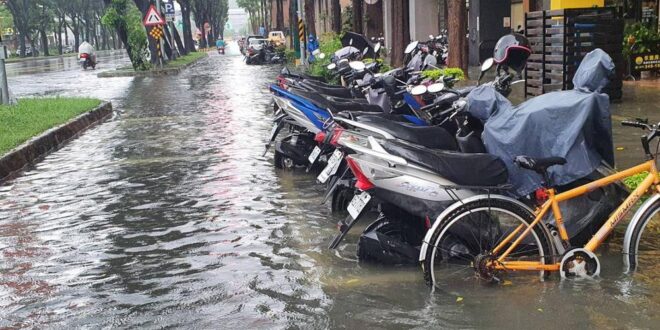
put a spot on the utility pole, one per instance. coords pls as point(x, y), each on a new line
point(301, 33)
point(4, 88)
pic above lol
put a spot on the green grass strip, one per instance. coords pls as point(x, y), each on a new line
point(33, 116)
point(186, 59)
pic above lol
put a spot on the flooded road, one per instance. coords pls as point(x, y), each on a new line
point(168, 215)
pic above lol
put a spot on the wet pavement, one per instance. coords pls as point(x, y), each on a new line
point(168, 215)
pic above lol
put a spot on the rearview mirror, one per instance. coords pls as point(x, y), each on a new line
point(436, 88)
point(377, 48)
point(487, 64)
point(411, 46)
point(430, 36)
point(357, 65)
point(365, 51)
point(418, 90)
point(322, 55)
point(331, 66)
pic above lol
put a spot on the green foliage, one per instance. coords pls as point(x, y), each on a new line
point(457, 73)
point(124, 13)
point(6, 19)
point(290, 56)
point(634, 181)
point(33, 116)
point(328, 44)
point(643, 38)
point(347, 19)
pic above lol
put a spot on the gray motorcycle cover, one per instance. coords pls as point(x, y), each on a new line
point(573, 124)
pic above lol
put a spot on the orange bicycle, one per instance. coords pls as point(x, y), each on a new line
point(498, 236)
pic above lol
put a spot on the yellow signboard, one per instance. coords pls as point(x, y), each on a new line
point(646, 62)
point(563, 4)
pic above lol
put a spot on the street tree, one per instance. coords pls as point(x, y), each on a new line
point(187, 27)
point(210, 16)
point(126, 19)
point(23, 13)
point(457, 34)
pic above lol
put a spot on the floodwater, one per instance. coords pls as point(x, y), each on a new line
point(169, 216)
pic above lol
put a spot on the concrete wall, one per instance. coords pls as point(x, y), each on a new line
point(424, 16)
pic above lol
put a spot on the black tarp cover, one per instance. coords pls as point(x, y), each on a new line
point(573, 124)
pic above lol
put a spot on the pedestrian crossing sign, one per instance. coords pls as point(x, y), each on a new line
point(153, 18)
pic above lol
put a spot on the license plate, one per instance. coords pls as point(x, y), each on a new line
point(331, 168)
point(358, 203)
point(314, 155)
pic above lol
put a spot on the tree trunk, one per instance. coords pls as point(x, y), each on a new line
point(60, 24)
point(66, 33)
point(44, 41)
point(310, 17)
point(280, 14)
point(374, 23)
point(202, 39)
point(187, 27)
point(400, 30)
point(21, 43)
point(336, 16)
point(33, 44)
point(458, 57)
point(179, 43)
point(169, 47)
point(357, 15)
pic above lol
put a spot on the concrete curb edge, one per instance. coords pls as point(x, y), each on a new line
point(150, 73)
point(36, 148)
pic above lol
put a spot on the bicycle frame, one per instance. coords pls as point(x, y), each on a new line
point(552, 204)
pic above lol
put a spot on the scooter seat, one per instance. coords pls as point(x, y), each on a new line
point(477, 169)
point(336, 104)
point(337, 91)
point(427, 136)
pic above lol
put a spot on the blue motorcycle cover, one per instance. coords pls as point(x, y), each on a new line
point(574, 124)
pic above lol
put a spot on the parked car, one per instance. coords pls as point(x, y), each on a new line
point(277, 38)
point(247, 42)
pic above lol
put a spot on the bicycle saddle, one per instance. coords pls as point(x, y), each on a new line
point(538, 165)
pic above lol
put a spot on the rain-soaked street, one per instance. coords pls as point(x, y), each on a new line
point(168, 215)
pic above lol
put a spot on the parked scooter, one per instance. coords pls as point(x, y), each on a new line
point(413, 184)
point(86, 56)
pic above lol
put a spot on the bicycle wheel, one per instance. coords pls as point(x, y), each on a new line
point(644, 245)
point(460, 249)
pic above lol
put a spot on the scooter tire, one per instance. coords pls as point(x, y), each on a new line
point(341, 197)
point(280, 161)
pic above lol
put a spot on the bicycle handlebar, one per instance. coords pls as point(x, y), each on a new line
point(635, 124)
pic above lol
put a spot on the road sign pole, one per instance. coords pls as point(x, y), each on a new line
point(161, 42)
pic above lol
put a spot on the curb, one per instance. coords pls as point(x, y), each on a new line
point(41, 145)
point(150, 73)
